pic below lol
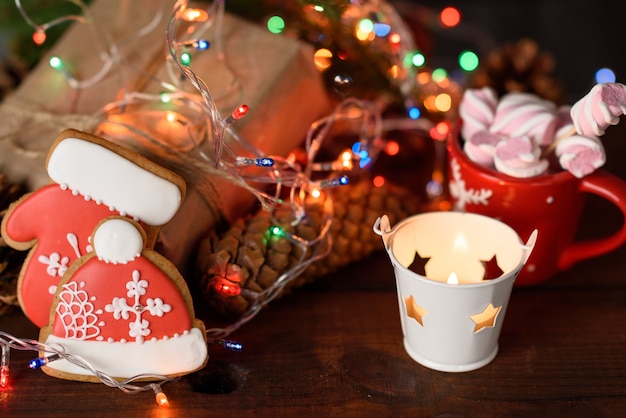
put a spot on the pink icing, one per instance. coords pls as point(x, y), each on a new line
point(601, 107)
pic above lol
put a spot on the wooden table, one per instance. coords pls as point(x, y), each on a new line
point(335, 349)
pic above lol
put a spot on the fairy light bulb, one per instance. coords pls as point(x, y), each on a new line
point(334, 182)
point(56, 63)
point(195, 15)
point(185, 59)
point(4, 367)
point(42, 361)
point(165, 97)
point(239, 112)
point(161, 398)
point(277, 231)
point(346, 160)
point(316, 193)
point(226, 287)
point(202, 44)
point(39, 36)
point(259, 162)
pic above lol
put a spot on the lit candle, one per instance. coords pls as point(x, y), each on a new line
point(451, 315)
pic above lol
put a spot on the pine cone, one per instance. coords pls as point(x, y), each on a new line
point(250, 258)
point(520, 67)
point(10, 260)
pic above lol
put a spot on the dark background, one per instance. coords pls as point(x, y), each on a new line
point(582, 35)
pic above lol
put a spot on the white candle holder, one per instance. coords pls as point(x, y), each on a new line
point(451, 317)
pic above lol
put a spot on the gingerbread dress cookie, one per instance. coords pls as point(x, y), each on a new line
point(92, 179)
point(124, 309)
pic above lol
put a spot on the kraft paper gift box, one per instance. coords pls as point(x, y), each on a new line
point(276, 79)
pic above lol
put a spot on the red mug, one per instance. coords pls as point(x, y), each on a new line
point(551, 203)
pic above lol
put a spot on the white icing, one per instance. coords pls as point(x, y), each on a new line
point(57, 265)
point(76, 313)
point(172, 356)
point(98, 172)
point(117, 241)
point(140, 327)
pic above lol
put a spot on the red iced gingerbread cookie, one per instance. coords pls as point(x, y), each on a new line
point(124, 309)
point(91, 179)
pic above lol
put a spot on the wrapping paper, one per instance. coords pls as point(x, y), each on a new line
point(274, 76)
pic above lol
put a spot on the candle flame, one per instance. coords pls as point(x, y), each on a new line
point(453, 279)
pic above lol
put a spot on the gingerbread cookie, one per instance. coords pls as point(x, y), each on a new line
point(92, 179)
point(124, 309)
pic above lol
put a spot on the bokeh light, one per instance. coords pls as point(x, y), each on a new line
point(438, 75)
point(378, 181)
point(468, 61)
point(414, 113)
point(276, 24)
point(443, 102)
point(364, 30)
point(323, 58)
point(450, 17)
point(605, 75)
point(392, 148)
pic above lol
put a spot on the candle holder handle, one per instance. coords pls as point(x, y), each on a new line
point(383, 228)
point(530, 244)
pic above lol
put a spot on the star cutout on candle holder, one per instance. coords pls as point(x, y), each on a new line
point(415, 311)
point(486, 318)
point(492, 269)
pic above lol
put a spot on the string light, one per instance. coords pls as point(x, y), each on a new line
point(259, 162)
point(57, 352)
point(292, 180)
point(39, 36)
point(4, 366)
point(161, 398)
point(239, 112)
point(39, 362)
point(334, 182)
point(185, 59)
point(225, 287)
point(195, 15)
point(285, 175)
point(228, 344)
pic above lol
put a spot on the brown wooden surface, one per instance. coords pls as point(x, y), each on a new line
point(335, 349)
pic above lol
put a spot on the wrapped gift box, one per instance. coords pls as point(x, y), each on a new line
point(275, 77)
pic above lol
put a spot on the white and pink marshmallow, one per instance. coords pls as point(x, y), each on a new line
point(601, 107)
point(579, 154)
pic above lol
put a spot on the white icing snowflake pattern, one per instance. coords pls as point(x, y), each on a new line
point(458, 190)
point(77, 313)
point(140, 327)
point(58, 265)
